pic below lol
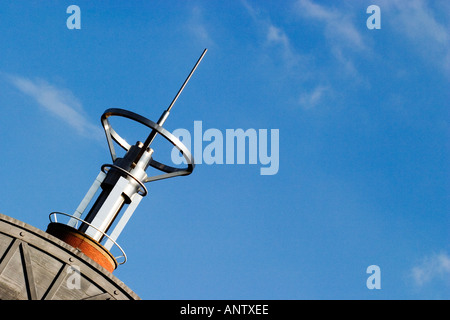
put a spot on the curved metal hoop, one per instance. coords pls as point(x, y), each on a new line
point(144, 192)
point(111, 135)
point(124, 256)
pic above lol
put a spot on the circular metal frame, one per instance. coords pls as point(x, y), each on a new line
point(170, 171)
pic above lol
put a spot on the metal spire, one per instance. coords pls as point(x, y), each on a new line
point(123, 184)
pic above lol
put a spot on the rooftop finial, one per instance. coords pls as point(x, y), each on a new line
point(123, 185)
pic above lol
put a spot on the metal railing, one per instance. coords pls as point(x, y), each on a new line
point(124, 256)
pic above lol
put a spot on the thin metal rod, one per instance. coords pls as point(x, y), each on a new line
point(165, 114)
point(186, 81)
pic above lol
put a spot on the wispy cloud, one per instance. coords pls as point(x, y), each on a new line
point(418, 21)
point(298, 69)
point(275, 37)
point(339, 27)
point(435, 267)
point(59, 102)
point(309, 100)
point(198, 27)
point(342, 35)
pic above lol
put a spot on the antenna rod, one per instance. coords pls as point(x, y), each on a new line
point(185, 82)
point(165, 114)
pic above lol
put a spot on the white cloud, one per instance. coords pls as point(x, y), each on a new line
point(420, 23)
point(57, 101)
point(436, 266)
point(309, 100)
point(275, 38)
point(417, 20)
point(343, 37)
point(276, 35)
point(198, 28)
point(339, 28)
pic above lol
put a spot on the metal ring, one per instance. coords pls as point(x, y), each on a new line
point(90, 225)
point(111, 135)
point(143, 194)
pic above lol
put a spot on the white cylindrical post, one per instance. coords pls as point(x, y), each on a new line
point(87, 199)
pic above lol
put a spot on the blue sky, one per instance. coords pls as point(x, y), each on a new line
point(363, 120)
